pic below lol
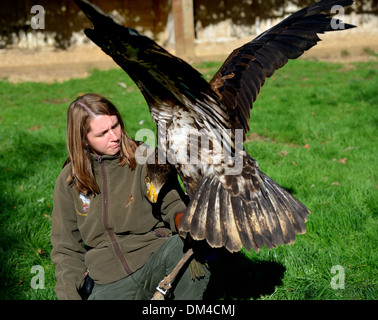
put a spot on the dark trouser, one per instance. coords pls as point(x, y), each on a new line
point(141, 285)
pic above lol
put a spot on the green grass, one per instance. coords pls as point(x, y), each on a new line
point(331, 108)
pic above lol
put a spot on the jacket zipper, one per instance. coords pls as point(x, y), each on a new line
point(111, 234)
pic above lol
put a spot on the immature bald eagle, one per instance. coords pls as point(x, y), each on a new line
point(232, 203)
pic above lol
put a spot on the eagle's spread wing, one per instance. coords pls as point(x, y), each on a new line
point(233, 210)
point(239, 80)
point(165, 81)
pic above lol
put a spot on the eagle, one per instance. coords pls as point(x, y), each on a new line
point(201, 126)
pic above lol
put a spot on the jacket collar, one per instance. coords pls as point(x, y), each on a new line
point(101, 158)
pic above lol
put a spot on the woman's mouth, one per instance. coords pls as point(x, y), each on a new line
point(114, 146)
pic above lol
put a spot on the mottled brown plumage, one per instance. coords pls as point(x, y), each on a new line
point(228, 208)
point(156, 176)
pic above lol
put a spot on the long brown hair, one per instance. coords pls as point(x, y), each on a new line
point(79, 113)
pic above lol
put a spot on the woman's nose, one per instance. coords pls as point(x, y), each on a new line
point(113, 134)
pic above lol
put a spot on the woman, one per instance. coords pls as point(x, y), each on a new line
point(103, 222)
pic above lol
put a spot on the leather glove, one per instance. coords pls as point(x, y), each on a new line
point(86, 290)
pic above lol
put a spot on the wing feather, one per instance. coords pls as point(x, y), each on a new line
point(230, 238)
point(198, 218)
point(268, 52)
point(242, 225)
point(272, 218)
point(213, 224)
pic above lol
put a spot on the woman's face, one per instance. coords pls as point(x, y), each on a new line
point(104, 136)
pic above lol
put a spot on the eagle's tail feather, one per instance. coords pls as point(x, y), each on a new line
point(273, 217)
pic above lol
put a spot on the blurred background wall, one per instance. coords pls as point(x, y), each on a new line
point(211, 20)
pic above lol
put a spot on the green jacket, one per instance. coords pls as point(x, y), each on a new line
point(120, 227)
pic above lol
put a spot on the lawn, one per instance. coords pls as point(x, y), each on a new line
point(313, 130)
